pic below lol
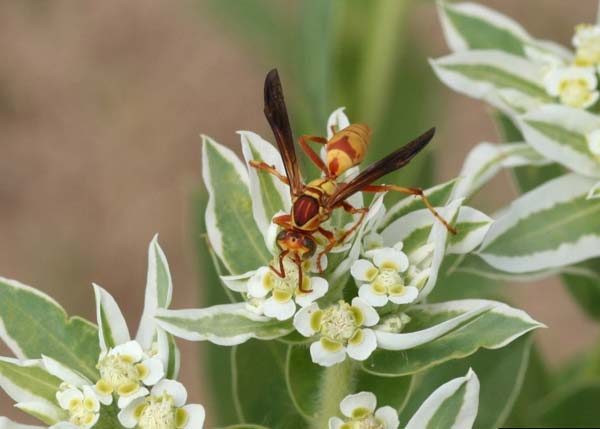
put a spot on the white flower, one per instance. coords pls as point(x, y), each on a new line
point(361, 414)
point(575, 86)
point(82, 405)
point(341, 330)
point(280, 295)
point(593, 141)
point(587, 42)
point(383, 279)
point(125, 371)
point(163, 408)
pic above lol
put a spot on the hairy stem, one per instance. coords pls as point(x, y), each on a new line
point(337, 382)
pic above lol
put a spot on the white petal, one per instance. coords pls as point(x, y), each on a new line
point(363, 350)
point(389, 416)
point(319, 288)
point(324, 357)
point(156, 371)
point(59, 425)
point(391, 255)
point(63, 372)
point(66, 396)
point(376, 300)
point(256, 286)
point(359, 400)
point(130, 348)
point(239, 282)
point(104, 399)
point(337, 119)
point(88, 393)
point(173, 388)
point(371, 316)
point(594, 192)
point(126, 416)
point(278, 310)
point(302, 320)
point(124, 401)
point(372, 241)
point(335, 423)
point(196, 416)
point(410, 294)
point(314, 267)
point(363, 270)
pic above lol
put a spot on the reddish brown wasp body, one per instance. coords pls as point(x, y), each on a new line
point(313, 203)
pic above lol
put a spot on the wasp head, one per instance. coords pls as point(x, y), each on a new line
point(296, 242)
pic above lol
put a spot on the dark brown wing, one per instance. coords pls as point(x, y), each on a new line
point(276, 114)
point(378, 169)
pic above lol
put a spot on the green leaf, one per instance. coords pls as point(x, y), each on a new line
point(29, 382)
point(526, 177)
point(33, 324)
point(501, 373)
point(438, 333)
point(549, 227)
point(226, 324)
point(230, 224)
point(261, 394)
point(559, 133)
point(452, 405)
point(583, 282)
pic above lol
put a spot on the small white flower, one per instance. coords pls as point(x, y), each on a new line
point(593, 141)
point(360, 411)
point(163, 408)
point(341, 330)
point(277, 297)
point(125, 371)
point(574, 86)
point(81, 404)
point(383, 279)
point(587, 42)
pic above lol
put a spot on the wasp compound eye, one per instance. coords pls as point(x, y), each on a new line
point(281, 236)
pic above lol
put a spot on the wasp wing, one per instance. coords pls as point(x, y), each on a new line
point(276, 114)
point(378, 169)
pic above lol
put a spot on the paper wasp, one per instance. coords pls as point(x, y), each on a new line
point(314, 202)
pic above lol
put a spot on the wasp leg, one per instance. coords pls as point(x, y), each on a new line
point(332, 243)
point(259, 165)
point(300, 275)
point(316, 159)
point(410, 191)
point(281, 272)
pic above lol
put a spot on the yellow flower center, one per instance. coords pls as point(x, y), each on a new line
point(119, 373)
point(588, 49)
point(368, 421)
point(575, 93)
point(339, 322)
point(158, 412)
point(284, 288)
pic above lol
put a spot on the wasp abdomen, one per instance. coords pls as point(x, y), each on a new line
point(347, 148)
point(305, 208)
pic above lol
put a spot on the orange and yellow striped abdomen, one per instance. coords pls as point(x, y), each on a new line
point(347, 148)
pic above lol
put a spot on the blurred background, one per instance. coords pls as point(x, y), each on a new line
point(102, 104)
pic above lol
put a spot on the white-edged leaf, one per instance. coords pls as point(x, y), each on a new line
point(64, 373)
point(238, 282)
point(32, 324)
point(158, 294)
point(495, 326)
point(227, 324)
point(9, 424)
point(270, 195)
point(549, 227)
point(453, 405)
point(230, 225)
point(28, 381)
point(485, 160)
point(46, 413)
point(594, 192)
point(559, 132)
point(507, 82)
point(112, 328)
point(473, 26)
point(168, 353)
point(473, 264)
point(437, 195)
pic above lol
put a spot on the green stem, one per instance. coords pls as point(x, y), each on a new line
point(337, 382)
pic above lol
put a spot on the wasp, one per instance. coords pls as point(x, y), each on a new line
point(314, 202)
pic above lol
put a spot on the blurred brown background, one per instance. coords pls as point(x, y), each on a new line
point(101, 105)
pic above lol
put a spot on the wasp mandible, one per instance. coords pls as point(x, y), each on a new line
point(314, 202)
